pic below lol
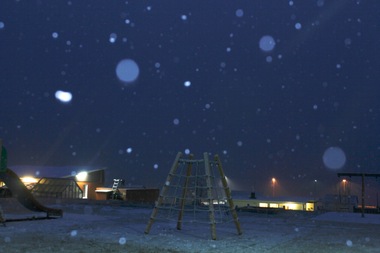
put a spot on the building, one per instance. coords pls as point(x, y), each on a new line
point(78, 183)
point(61, 182)
point(281, 203)
point(88, 181)
point(306, 205)
point(129, 193)
point(60, 188)
point(340, 203)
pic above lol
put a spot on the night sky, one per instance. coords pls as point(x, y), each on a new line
point(271, 86)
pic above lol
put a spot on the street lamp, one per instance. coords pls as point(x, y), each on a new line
point(315, 188)
point(273, 184)
point(344, 181)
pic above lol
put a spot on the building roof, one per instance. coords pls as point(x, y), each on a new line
point(50, 171)
point(57, 187)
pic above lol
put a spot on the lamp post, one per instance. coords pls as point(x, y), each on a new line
point(315, 188)
point(273, 185)
point(344, 181)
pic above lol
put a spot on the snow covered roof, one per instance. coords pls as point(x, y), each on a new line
point(49, 171)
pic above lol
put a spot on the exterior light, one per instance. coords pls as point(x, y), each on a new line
point(82, 176)
point(29, 180)
point(273, 184)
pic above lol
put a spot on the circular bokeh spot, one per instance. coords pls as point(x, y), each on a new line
point(334, 158)
point(127, 71)
point(267, 43)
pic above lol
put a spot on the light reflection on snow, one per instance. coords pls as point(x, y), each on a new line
point(122, 240)
point(74, 233)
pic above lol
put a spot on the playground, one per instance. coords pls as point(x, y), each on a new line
point(111, 227)
point(189, 216)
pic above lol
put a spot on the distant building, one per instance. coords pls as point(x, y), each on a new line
point(298, 205)
point(60, 188)
point(129, 193)
point(61, 182)
point(79, 182)
point(340, 203)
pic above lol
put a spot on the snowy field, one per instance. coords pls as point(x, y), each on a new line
point(108, 227)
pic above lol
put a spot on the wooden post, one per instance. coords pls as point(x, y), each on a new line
point(363, 196)
point(209, 196)
point(184, 191)
point(209, 178)
point(228, 195)
point(2, 220)
point(163, 192)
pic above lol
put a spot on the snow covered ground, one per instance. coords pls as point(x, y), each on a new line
point(108, 227)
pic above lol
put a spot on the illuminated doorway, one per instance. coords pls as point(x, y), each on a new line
point(85, 191)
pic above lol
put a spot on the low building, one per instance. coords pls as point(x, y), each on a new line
point(42, 178)
point(284, 203)
point(88, 181)
point(61, 188)
point(340, 203)
point(131, 194)
point(307, 205)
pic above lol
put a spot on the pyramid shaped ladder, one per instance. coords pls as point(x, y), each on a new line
point(160, 203)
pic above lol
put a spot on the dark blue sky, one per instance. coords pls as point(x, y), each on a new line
point(266, 113)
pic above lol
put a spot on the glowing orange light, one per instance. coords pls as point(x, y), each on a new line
point(28, 180)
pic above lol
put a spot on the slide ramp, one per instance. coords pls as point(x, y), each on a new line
point(24, 196)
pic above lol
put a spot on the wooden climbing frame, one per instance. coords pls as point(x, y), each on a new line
point(185, 189)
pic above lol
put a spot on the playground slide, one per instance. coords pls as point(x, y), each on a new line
point(24, 196)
